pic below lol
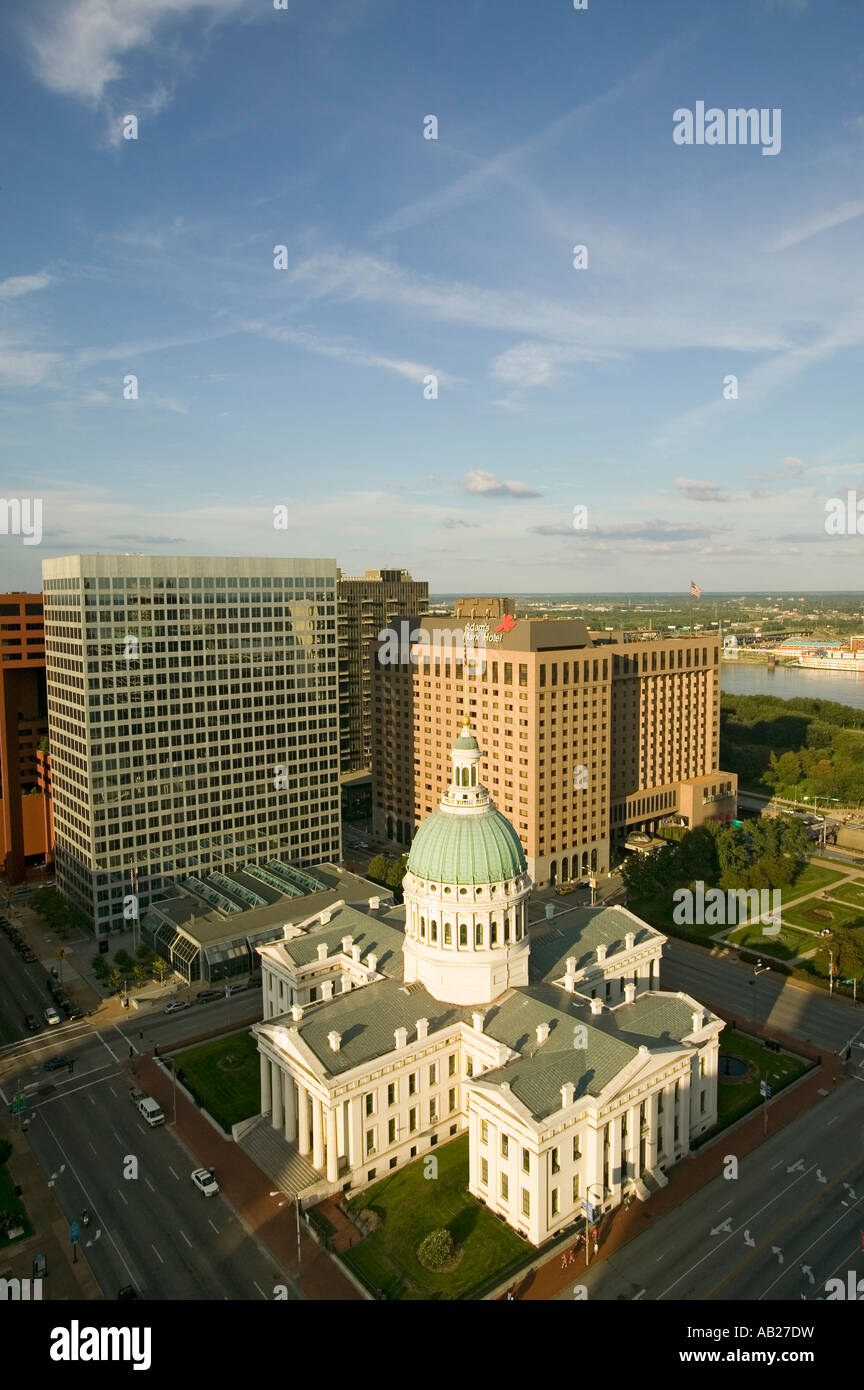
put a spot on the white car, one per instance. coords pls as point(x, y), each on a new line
point(176, 1005)
point(51, 1017)
point(205, 1182)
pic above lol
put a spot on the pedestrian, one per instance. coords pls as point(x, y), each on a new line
point(596, 1247)
point(131, 1050)
point(212, 1170)
point(564, 1259)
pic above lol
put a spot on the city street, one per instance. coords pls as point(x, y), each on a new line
point(154, 1230)
point(791, 1220)
point(763, 998)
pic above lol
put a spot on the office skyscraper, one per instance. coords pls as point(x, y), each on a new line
point(194, 721)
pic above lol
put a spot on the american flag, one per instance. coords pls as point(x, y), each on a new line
point(695, 591)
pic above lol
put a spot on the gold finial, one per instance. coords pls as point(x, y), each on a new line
point(466, 720)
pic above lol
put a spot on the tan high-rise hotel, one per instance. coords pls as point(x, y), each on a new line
point(587, 737)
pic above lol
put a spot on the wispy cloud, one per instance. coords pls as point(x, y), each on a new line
point(323, 346)
point(18, 285)
point(822, 222)
point(700, 490)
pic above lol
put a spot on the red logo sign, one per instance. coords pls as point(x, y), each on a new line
point(508, 622)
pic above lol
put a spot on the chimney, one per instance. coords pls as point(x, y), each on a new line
point(372, 961)
point(296, 1012)
point(571, 965)
point(401, 1036)
point(630, 940)
point(322, 950)
point(697, 1020)
point(629, 993)
point(327, 989)
point(325, 916)
point(477, 1019)
point(568, 1090)
point(355, 954)
point(542, 1032)
point(596, 1006)
point(347, 943)
point(550, 911)
point(570, 984)
point(422, 1029)
point(374, 904)
point(335, 1041)
point(346, 984)
point(601, 954)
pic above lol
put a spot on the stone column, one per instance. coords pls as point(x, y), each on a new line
point(341, 1139)
point(615, 1157)
point(653, 1133)
point(669, 1121)
point(290, 1109)
point(355, 1138)
point(317, 1134)
point(634, 1136)
point(684, 1115)
point(332, 1145)
point(278, 1108)
point(303, 1119)
point(265, 1084)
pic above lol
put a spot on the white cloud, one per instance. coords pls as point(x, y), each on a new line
point(17, 285)
point(358, 357)
point(77, 48)
point(822, 222)
point(478, 480)
point(700, 490)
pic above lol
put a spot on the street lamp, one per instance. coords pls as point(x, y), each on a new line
point(287, 1198)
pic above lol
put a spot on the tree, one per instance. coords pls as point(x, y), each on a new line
point(437, 1250)
point(377, 869)
point(161, 968)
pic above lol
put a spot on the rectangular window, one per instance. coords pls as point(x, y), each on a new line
point(505, 1187)
point(555, 1206)
point(577, 1153)
point(412, 1119)
point(484, 1172)
point(370, 1142)
point(576, 1188)
point(369, 1102)
point(526, 1161)
point(526, 1202)
point(469, 1066)
point(433, 1074)
point(392, 1093)
point(556, 1160)
point(412, 1084)
point(505, 1146)
point(392, 1131)
point(433, 1110)
point(484, 1130)
point(451, 1064)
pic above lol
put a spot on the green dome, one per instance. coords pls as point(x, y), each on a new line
point(471, 849)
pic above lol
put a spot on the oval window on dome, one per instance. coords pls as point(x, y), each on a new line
point(447, 890)
point(463, 891)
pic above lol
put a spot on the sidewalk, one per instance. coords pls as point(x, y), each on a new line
point(64, 1280)
point(247, 1189)
point(693, 1172)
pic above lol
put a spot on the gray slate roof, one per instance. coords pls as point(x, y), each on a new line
point(578, 933)
point(367, 1019)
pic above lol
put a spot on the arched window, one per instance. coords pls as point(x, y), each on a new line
point(399, 831)
point(493, 934)
point(593, 861)
point(474, 776)
point(433, 931)
point(478, 935)
point(389, 827)
point(464, 777)
point(584, 862)
point(553, 871)
point(448, 934)
point(463, 934)
point(506, 929)
point(565, 870)
point(422, 928)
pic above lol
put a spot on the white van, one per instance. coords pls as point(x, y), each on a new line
point(149, 1110)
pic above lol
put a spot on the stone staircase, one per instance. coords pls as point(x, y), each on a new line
point(289, 1170)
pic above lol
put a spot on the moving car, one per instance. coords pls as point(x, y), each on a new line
point(56, 1063)
point(127, 1293)
point(136, 1096)
point(176, 1005)
point(207, 994)
point(29, 955)
point(31, 1022)
point(205, 1182)
point(51, 1017)
point(151, 1111)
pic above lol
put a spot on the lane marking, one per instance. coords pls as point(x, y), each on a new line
point(156, 1252)
point(171, 1170)
point(186, 1238)
point(215, 1228)
point(259, 1288)
point(122, 1198)
point(150, 1185)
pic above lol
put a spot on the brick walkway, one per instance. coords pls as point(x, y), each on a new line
point(692, 1173)
point(247, 1189)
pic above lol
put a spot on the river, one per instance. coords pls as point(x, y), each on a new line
point(791, 682)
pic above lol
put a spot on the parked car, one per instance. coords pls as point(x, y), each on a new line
point(56, 1063)
point(31, 1022)
point(51, 1017)
point(176, 1005)
point(205, 1182)
point(207, 994)
point(29, 955)
point(151, 1111)
point(76, 1012)
point(136, 1096)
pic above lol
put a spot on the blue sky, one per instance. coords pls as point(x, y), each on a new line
point(600, 387)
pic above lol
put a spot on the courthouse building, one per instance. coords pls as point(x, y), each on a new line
point(588, 736)
point(386, 1032)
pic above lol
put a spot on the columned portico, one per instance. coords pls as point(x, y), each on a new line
point(290, 1109)
point(355, 1151)
point(332, 1146)
point(278, 1107)
point(265, 1084)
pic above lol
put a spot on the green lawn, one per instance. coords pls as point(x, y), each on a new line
point(784, 946)
point(735, 1098)
point(811, 914)
point(10, 1206)
point(850, 893)
point(229, 1090)
point(811, 878)
point(411, 1206)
